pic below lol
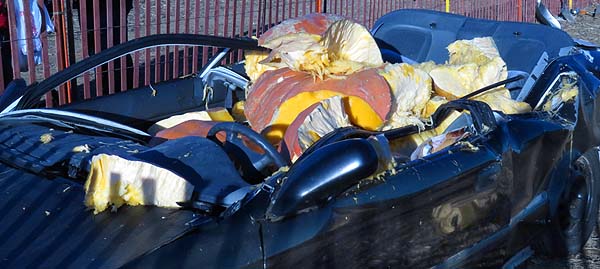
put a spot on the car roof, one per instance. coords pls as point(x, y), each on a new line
point(423, 35)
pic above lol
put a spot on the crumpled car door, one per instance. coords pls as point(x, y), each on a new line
point(420, 214)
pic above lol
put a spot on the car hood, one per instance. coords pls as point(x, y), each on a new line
point(45, 224)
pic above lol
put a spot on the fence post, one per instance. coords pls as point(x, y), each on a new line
point(520, 10)
point(58, 8)
point(97, 44)
point(14, 46)
point(84, 28)
point(69, 43)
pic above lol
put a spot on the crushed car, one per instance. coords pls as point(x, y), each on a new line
point(430, 140)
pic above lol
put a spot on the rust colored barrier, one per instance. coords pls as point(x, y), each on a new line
point(90, 26)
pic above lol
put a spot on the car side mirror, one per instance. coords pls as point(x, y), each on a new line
point(326, 173)
point(543, 15)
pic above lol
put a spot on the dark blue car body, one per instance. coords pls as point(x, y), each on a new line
point(522, 184)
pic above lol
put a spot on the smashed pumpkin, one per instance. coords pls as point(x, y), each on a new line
point(319, 56)
point(411, 89)
point(319, 44)
point(279, 96)
point(315, 23)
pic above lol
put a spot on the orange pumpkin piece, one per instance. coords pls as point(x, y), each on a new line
point(189, 128)
point(313, 123)
point(267, 106)
point(197, 128)
point(290, 144)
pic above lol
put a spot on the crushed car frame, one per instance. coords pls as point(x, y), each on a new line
point(521, 184)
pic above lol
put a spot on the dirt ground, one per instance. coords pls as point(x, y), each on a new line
point(585, 26)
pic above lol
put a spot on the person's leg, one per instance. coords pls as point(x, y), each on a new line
point(7, 71)
point(5, 45)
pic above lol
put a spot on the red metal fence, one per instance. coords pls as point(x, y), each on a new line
point(85, 27)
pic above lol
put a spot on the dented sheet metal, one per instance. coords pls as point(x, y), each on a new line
point(473, 201)
point(434, 207)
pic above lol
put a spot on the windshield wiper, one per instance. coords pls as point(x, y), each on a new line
point(492, 86)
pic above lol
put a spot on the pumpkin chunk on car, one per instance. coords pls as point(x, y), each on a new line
point(269, 110)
